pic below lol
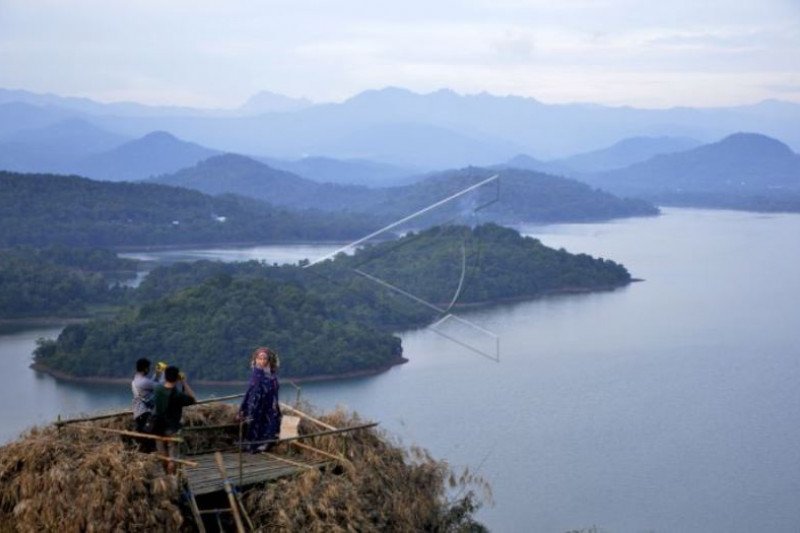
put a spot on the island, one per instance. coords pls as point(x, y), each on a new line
point(330, 319)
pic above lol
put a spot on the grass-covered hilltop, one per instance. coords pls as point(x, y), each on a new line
point(328, 319)
point(85, 479)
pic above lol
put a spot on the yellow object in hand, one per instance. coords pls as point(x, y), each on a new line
point(161, 366)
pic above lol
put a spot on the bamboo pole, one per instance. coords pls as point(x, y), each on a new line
point(220, 399)
point(174, 460)
point(289, 461)
point(59, 422)
point(311, 435)
point(241, 436)
point(208, 428)
point(244, 512)
point(133, 434)
point(198, 519)
point(301, 414)
point(229, 491)
point(321, 452)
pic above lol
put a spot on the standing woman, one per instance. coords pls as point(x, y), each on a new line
point(257, 406)
point(276, 416)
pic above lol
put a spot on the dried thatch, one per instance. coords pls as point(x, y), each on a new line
point(73, 479)
point(381, 487)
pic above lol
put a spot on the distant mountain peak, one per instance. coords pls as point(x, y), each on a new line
point(445, 92)
point(156, 153)
point(269, 102)
point(227, 159)
point(522, 160)
point(159, 135)
point(758, 141)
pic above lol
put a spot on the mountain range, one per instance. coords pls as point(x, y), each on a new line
point(619, 155)
point(524, 195)
point(393, 137)
point(742, 163)
point(420, 131)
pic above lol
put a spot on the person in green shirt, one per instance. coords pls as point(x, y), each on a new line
point(169, 403)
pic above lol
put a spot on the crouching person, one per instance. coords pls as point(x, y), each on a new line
point(169, 403)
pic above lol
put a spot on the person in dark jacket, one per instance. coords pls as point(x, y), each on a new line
point(259, 407)
point(168, 411)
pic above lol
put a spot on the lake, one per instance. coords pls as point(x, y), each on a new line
point(668, 405)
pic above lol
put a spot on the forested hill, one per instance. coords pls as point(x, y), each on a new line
point(525, 195)
point(44, 209)
point(743, 163)
point(325, 319)
point(59, 281)
point(522, 196)
point(236, 174)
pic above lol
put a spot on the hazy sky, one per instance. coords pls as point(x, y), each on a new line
point(218, 53)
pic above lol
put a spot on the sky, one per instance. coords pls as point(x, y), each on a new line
point(217, 53)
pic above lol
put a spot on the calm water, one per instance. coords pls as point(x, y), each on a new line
point(280, 254)
point(669, 405)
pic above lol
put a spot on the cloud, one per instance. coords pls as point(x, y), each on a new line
point(783, 88)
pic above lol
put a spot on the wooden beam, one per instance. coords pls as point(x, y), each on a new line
point(121, 412)
point(206, 428)
point(174, 460)
point(308, 417)
point(288, 461)
point(311, 435)
point(321, 452)
point(198, 519)
point(132, 434)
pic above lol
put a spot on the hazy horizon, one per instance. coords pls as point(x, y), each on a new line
point(240, 105)
point(209, 55)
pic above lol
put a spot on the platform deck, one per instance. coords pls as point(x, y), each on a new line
point(205, 478)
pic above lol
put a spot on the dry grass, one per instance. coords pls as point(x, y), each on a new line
point(381, 487)
point(78, 480)
point(75, 480)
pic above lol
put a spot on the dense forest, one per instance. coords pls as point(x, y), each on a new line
point(42, 209)
point(210, 330)
point(327, 318)
point(59, 281)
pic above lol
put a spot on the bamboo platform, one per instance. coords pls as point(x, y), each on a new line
point(205, 478)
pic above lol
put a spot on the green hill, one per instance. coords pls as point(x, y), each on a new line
point(209, 330)
point(744, 163)
point(58, 281)
point(44, 209)
point(525, 195)
point(325, 319)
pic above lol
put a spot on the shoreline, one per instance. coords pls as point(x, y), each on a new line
point(57, 374)
point(133, 248)
point(96, 380)
point(44, 321)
